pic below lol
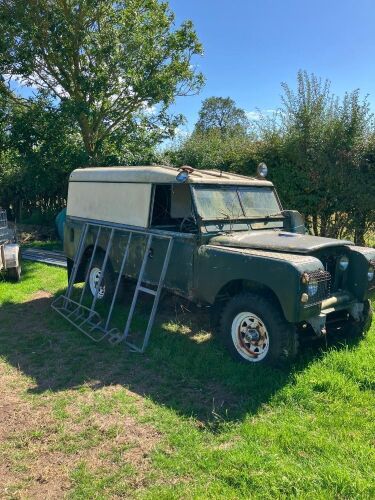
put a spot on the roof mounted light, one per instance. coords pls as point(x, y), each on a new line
point(183, 175)
point(262, 170)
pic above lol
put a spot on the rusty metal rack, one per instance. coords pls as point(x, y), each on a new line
point(87, 318)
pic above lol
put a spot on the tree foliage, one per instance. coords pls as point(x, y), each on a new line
point(319, 149)
point(114, 66)
point(42, 147)
point(221, 114)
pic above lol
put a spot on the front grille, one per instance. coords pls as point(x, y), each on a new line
point(323, 280)
point(330, 265)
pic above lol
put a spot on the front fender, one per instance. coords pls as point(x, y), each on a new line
point(281, 273)
point(360, 260)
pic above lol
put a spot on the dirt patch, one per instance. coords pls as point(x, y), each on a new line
point(40, 294)
point(22, 428)
point(32, 461)
point(40, 450)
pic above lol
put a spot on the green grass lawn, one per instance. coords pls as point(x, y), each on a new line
point(83, 420)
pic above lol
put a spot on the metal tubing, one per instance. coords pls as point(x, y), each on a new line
point(157, 296)
point(109, 246)
point(90, 264)
point(135, 296)
point(75, 312)
point(77, 260)
point(118, 280)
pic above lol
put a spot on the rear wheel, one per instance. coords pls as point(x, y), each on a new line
point(107, 284)
point(255, 330)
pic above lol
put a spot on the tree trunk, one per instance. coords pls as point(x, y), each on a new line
point(315, 224)
point(323, 226)
point(360, 230)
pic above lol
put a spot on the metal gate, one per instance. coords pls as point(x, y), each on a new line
point(89, 316)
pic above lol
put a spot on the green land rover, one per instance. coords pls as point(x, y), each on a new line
point(235, 249)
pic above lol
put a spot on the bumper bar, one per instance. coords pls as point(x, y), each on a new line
point(336, 300)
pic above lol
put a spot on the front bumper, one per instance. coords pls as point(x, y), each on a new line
point(337, 302)
point(342, 302)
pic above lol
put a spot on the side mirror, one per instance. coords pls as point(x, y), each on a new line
point(294, 222)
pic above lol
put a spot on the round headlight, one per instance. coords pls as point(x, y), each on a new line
point(312, 288)
point(370, 273)
point(262, 170)
point(343, 263)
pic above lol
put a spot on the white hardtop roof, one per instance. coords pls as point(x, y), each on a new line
point(161, 175)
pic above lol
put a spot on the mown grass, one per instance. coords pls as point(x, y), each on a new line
point(181, 421)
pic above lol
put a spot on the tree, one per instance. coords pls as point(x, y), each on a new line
point(42, 147)
point(322, 156)
point(221, 113)
point(320, 151)
point(110, 64)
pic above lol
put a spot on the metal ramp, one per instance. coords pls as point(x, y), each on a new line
point(86, 312)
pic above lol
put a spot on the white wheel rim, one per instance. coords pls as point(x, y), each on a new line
point(250, 337)
point(94, 278)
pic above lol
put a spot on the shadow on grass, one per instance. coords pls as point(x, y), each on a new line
point(184, 367)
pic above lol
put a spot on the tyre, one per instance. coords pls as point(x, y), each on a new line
point(357, 329)
point(14, 274)
point(255, 331)
point(107, 284)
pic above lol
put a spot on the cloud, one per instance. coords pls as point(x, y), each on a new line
point(182, 132)
point(257, 114)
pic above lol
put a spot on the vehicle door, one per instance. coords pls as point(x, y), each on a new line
point(172, 215)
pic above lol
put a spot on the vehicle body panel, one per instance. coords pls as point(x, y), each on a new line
point(281, 273)
point(179, 277)
point(278, 241)
point(110, 201)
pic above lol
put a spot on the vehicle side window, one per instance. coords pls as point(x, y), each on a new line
point(173, 209)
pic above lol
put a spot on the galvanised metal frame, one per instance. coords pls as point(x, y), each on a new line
point(86, 318)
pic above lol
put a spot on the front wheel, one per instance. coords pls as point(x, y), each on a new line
point(255, 330)
point(358, 329)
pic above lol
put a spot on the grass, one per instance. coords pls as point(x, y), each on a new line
point(83, 420)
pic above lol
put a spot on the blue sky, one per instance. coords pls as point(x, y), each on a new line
point(251, 46)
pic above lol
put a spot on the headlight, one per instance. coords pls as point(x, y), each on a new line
point(312, 288)
point(262, 170)
point(343, 263)
point(370, 273)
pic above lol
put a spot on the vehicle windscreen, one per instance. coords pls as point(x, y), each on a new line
point(234, 202)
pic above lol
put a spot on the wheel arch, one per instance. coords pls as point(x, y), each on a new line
point(85, 258)
point(237, 286)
